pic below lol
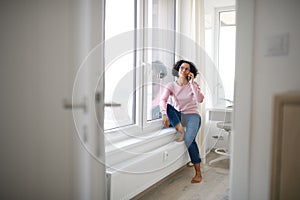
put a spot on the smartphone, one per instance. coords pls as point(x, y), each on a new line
point(189, 77)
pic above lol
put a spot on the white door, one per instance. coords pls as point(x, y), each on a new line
point(87, 66)
point(43, 44)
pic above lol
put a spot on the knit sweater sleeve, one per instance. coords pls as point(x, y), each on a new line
point(197, 92)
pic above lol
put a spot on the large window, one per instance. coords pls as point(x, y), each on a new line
point(138, 60)
point(226, 55)
point(220, 37)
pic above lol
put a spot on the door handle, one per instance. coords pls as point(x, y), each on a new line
point(112, 104)
point(67, 104)
point(108, 104)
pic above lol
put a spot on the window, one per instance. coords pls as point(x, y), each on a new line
point(119, 70)
point(160, 15)
point(226, 55)
point(135, 74)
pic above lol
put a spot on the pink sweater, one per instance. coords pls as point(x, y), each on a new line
point(184, 98)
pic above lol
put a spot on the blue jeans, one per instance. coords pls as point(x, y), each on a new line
point(192, 122)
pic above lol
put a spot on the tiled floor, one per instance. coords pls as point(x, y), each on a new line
point(214, 185)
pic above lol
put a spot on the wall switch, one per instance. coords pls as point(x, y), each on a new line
point(277, 45)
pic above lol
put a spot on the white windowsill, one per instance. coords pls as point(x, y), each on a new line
point(137, 140)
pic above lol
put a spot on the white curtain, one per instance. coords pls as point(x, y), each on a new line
point(191, 44)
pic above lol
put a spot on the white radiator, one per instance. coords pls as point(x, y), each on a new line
point(132, 176)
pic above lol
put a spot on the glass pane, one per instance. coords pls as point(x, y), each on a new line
point(119, 73)
point(160, 75)
point(161, 16)
point(227, 56)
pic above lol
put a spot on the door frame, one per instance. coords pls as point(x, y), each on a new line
point(240, 162)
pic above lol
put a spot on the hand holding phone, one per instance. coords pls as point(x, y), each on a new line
point(190, 76)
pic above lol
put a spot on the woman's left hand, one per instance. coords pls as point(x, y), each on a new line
point(165, 120)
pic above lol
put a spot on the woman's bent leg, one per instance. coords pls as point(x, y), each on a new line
point(173, 115)
point(175, 120)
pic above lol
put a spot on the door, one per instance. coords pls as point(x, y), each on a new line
point(286, 135)
point(86, 33)
point(44, 43)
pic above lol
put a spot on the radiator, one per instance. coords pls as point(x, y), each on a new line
point(133, 176)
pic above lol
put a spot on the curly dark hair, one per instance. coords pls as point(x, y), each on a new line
point(177, 65)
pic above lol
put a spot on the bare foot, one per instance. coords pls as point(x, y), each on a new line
point(181, 138)
point(196, 179)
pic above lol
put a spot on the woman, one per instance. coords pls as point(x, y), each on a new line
point(186, 95)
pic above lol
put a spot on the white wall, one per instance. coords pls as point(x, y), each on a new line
point(258, 79)
point(271, 75)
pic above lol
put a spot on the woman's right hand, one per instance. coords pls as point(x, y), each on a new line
point(165, 120)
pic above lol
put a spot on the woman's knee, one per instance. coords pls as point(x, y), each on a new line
point(188, 141)
point(190, 135)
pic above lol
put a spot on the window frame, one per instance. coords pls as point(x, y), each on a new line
point(140, 123)
point(219, 102)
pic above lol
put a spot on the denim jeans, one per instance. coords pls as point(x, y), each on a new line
point(192, 122)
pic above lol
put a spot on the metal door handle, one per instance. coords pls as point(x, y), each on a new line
point(108, 104)
point(68, 105)
point(112, 104)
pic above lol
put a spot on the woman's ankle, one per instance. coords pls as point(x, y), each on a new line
point(179, 127)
